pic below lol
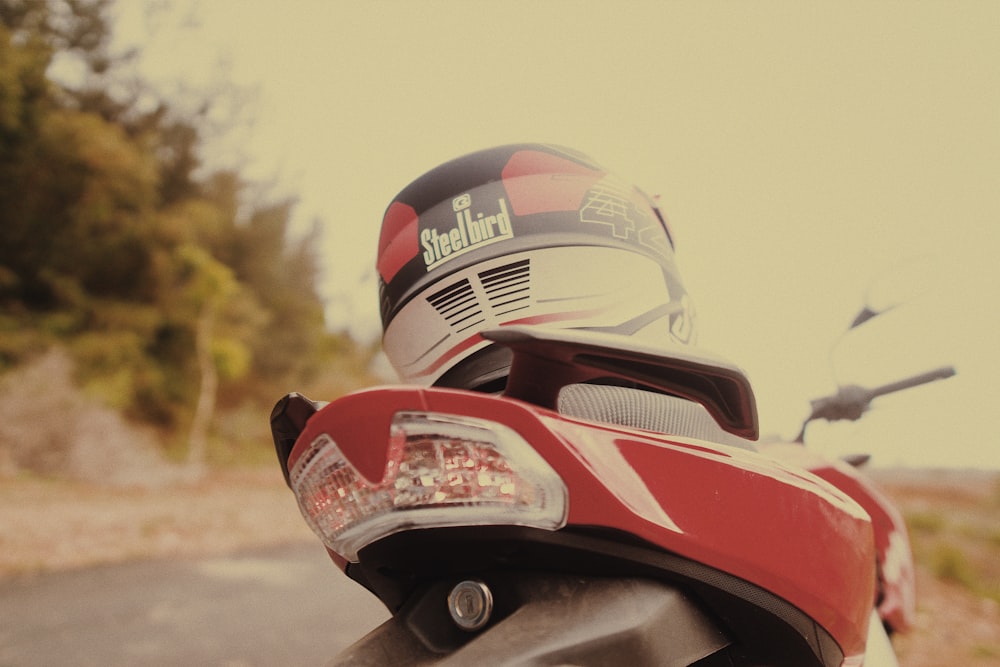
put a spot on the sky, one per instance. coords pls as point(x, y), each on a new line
point(809, 157)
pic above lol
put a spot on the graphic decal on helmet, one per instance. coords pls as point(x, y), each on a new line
point(614, 204)
point(444, 358)
point(466, 234)
point(610, 204)
point(458, 305)
point(501, 291)
point(567, 186)
point(599, 197)
point(397, 243)
point(508, 288)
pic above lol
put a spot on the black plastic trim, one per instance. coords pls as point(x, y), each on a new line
point(762, 624)
point(288, 419)
point(552, 619)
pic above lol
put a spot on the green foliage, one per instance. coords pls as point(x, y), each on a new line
point(925, 522)
point(112, 248)
point(23, 87)
point(950, 564)
point(993, 538)
point(986, 651)
point(956, 537)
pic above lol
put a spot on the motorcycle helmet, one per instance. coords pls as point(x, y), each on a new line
point(520, 234)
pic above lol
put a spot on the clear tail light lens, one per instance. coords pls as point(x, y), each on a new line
point(442, 470)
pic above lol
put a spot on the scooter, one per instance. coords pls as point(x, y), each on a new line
point(609, 507)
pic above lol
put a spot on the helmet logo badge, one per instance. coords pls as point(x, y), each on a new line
point(469, 231)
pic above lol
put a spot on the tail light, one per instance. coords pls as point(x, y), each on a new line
point(442, 470)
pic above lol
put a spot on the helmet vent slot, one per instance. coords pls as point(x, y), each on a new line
point(458, 304)
point(508, 287)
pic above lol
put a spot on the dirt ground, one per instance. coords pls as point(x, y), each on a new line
point(48, 526)
point(56, 525)
point(955, 626)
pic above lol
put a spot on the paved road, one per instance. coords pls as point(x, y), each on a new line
point(285, 606)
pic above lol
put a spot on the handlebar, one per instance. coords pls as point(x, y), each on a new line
point(851, 401)
point(923, 378)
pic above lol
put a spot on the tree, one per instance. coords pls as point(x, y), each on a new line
point(23, 97)
point(208, 285)
point(175, 291)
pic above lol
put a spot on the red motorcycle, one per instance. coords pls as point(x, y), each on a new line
point(608, 507)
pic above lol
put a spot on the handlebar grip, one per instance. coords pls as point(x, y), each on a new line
point(850, 402)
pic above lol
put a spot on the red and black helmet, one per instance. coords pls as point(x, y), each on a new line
point(520, 234)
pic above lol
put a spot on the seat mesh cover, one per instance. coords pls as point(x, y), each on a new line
point(645, 410)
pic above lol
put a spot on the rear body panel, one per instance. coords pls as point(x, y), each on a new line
point(896, 594)
point(748, 516)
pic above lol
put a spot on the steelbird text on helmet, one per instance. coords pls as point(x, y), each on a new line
point(520, 234)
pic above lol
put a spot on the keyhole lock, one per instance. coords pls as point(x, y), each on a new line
point(470, 604)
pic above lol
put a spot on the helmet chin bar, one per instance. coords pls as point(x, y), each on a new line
point(546, 360)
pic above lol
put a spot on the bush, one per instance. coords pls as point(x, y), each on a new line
point(950, 564)
point(49, 427)
point(925, 522)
